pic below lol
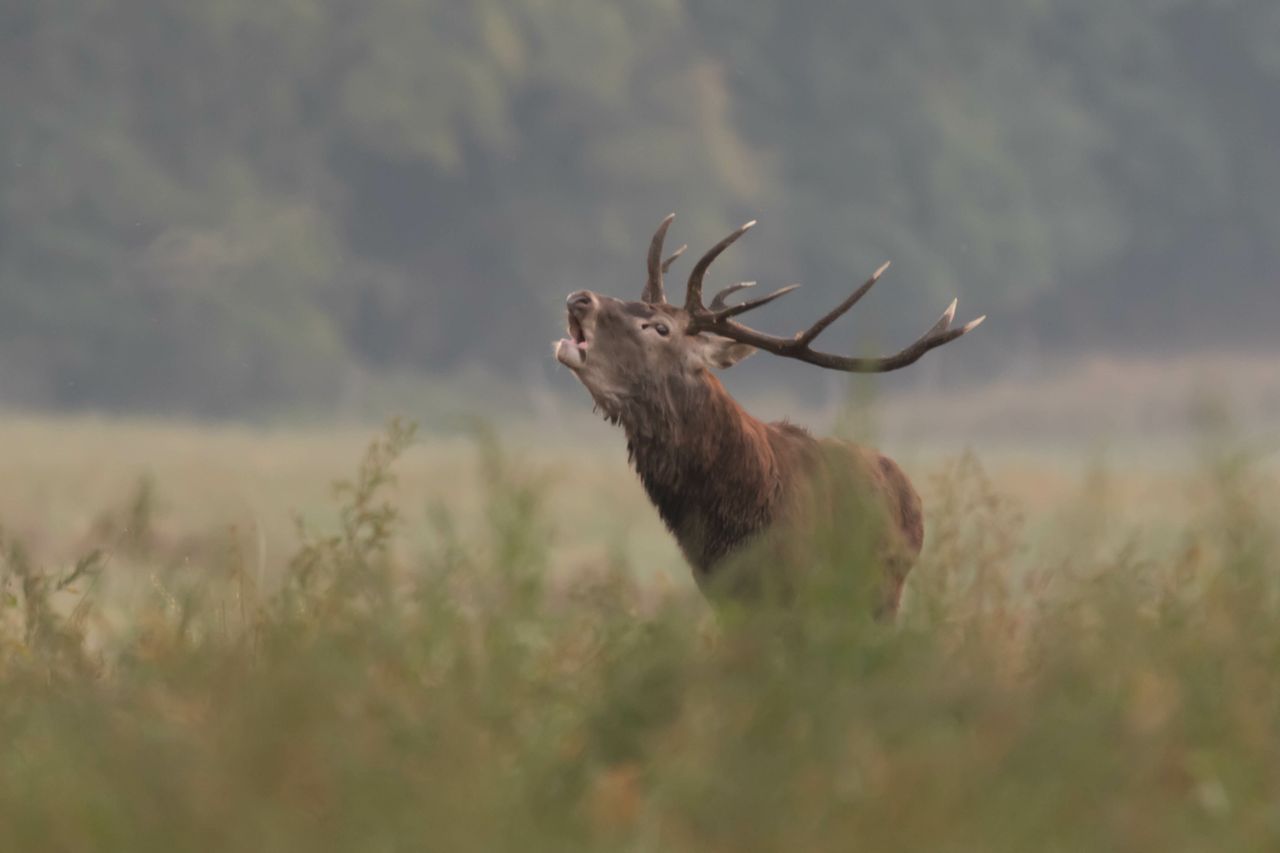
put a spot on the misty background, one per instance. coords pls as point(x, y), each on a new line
point(240, 208)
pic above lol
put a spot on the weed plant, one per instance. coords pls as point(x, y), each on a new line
point(1091, 691)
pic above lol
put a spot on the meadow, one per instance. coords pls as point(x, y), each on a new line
point(481, 642)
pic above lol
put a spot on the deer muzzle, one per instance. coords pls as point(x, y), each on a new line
point(572, 351)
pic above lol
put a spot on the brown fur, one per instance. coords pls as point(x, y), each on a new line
point(720, 478)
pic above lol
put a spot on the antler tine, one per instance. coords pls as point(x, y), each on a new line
point(653, 290)
point(693, 295)
point(735, 310)
point(834, 314)
point(671, 259)
point(944, 322)
point(717, 301)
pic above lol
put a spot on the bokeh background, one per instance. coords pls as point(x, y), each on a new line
point(331, 208)
point(236, 233)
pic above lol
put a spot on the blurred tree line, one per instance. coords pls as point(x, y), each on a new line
point(222, 206)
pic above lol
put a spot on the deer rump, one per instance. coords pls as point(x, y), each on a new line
point(759, 509)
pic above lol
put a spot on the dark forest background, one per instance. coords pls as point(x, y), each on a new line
point(220, 208)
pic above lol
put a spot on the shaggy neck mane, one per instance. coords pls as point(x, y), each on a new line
point(709, 467)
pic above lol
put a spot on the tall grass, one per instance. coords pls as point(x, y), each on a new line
point(1069, 687)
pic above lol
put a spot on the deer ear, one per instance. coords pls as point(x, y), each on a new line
point(723, 353)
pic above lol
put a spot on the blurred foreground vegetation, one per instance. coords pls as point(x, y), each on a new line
point(221, 208)
point(1060, 679)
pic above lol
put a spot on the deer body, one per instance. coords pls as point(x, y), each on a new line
point(747, 501)
point(720, 479)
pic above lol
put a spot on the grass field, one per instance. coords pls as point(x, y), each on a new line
point(479, 644)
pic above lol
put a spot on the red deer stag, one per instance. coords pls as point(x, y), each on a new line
point(720, 478)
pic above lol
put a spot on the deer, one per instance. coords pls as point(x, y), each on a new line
point(746, 500)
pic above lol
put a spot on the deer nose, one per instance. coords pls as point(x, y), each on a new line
point(581, 301)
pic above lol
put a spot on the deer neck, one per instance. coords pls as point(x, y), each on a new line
point(707, 465)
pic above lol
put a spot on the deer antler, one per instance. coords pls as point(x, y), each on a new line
point(671, 259)
point(719, 319)
point(653, 292)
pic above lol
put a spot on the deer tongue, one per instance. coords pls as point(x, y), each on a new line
point(571, 353)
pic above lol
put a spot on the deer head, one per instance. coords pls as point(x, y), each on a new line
point(624, 352)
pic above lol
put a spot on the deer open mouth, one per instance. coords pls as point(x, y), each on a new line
point(572, 351)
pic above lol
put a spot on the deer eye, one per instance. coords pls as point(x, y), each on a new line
point(660, 328)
